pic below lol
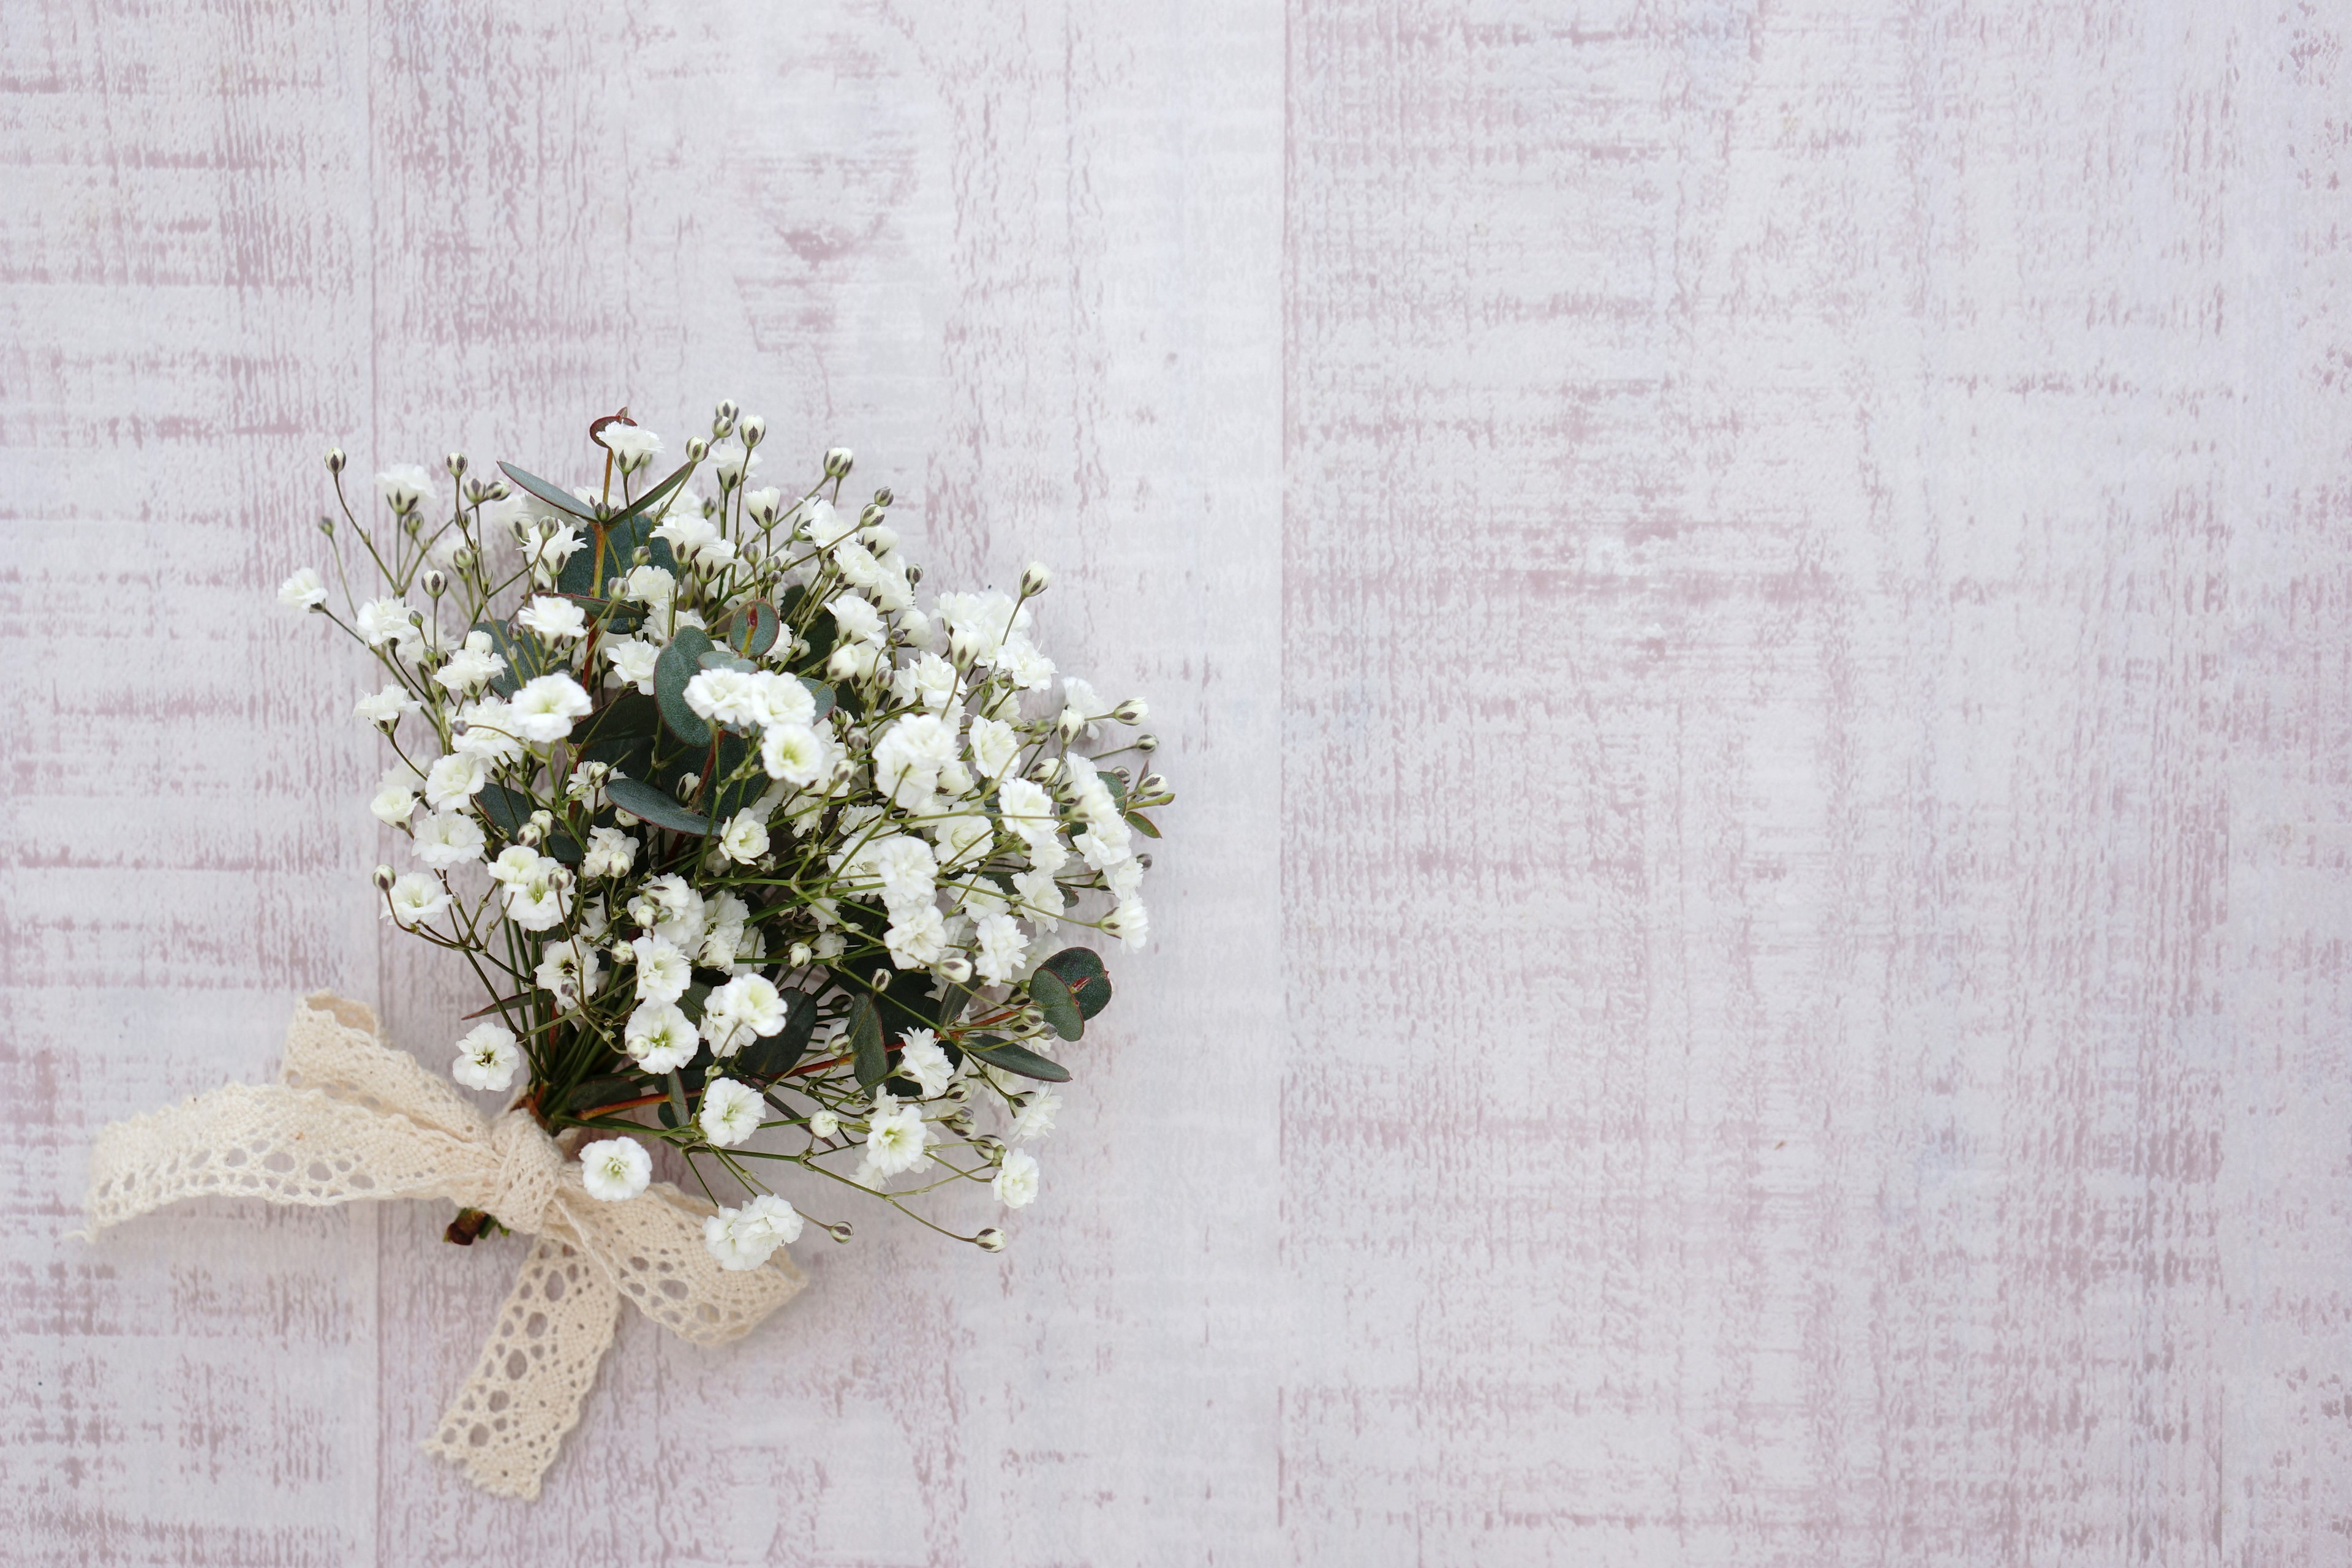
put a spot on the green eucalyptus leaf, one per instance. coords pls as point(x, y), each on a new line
point(672, 670)
point(1052, 997)
point(872, 1062)
point(641, 799)
point(1142, 825)
point(749, 628)
point(556, 496)
point(646, 506)
point(824, 693)
point(1017, 1059)
point(1081, 970)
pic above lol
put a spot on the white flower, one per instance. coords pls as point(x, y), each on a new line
point(386, 707)
point(546, 707)
point(395, 801)
point(961, 837)
point(558, 620)
point(994, 746)
point(909, 755)
point(381, 621)
point(415, 899)
point(567, 970)
point(1027, 667)
point(548, 546)
point(662, 971)
point(448, 838)
point(918, 937)
point(784, 699)
point(404, 487)
point(824, 525)
point(795, 753)
point(539, 902)
point(762, 505)
point(633, 660)
point(823, 1124)
point(610, 853)
point(1080, 708)
point(614, 1169)
point(749, 1237)
point(858, 619)
point(978, 624)
point(744, 838)
point(650, 587)
point(694, 538)
point(731, 1112)
point(1042, 895)
point(746, 1006)
point(488, 732)
point(472, 667)
point(1129, 923)
point(518, 863)
point(897, 1138)
point(724, 935)
point(1002, 949)
point(926, 1063)
point(302, 591)
point(660, 1036)
point(729, 697)
point(632, 445)
point(731, 463)
point(1036, 1119)
point(930, 681)
point(1016, 1185)
point(670, 908)
point(904, 866)
point(486, 1057)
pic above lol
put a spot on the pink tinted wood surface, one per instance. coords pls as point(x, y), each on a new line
point(1748, 605)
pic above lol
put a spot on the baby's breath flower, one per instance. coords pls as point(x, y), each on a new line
point(731, 1112)
point(1016, 1180)
point(302, 591)
point(486, 1057)
point(615, 1169)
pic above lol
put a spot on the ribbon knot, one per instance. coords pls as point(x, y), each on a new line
point(352, 1118)
point(531, 1169)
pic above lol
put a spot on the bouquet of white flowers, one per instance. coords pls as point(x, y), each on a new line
point(739, 840)
point(736, 836)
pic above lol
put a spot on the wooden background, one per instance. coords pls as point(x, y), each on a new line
point(1749, 603)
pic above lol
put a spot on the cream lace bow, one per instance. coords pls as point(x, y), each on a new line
point(352, 1118)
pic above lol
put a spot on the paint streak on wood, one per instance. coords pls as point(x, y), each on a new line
point(1748, 606)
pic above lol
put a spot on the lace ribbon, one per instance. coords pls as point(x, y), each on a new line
point(352, 1118)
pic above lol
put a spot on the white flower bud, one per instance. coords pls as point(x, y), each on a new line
point(839, 1230)
point(462, 558)
point(456, 463)
point(497, 490)
point(883, 496)
point(697, 448)
point(837, 460)
point(1035, 579)
point(1144, 860)
point(753, 429)
point(725, 413)
point(1134, 710)
point(383, 879)
point(881, 980)
point(990, 1240)
point(334, 459)
point(1147, 742)
point(435, 584)
point(327, 526)
point(870, 516)
point(798, 958)
point(957, 969)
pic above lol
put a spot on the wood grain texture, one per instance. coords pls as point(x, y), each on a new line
point(1749, 607)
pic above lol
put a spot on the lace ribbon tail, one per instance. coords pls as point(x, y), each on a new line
point(525, 1391)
